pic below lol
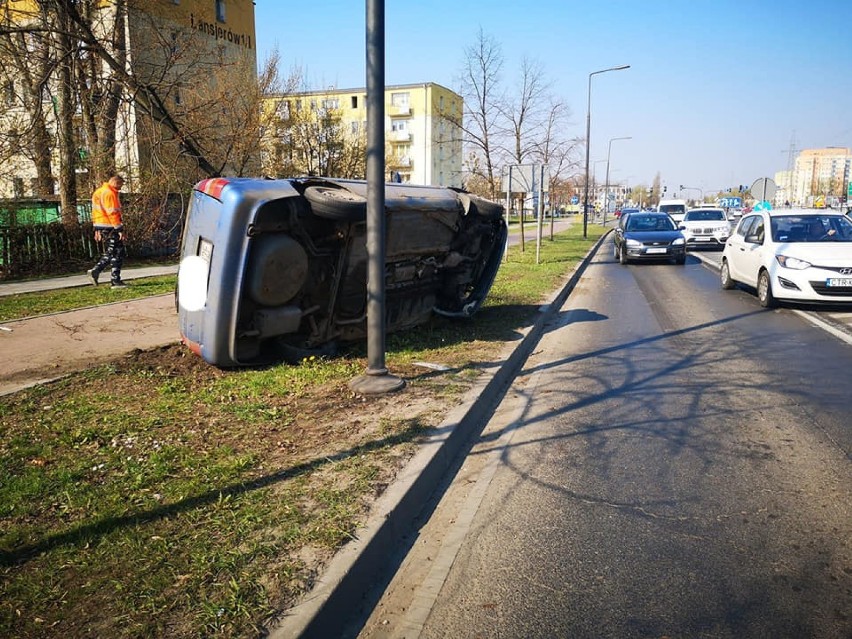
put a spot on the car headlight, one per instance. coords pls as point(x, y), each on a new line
point(792, 262)
point(634, 244)
point(678, 242)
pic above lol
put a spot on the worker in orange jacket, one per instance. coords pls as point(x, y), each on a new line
point(109, 228)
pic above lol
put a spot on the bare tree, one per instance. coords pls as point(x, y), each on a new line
point(308, 136)
point(26, 61)
point(480, 89)
point(523, 112)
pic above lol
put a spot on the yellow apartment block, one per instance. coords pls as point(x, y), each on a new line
point(422, 135)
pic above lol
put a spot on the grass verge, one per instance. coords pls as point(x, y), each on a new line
point(158, 496)
point(21, 305)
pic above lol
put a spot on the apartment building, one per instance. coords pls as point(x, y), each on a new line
point(191, 52)
point(817, 173)
point(422, 134)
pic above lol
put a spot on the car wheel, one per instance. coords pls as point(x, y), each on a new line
point(336, 203)
point(680, 260)
point(725, 276)
point(622, 255)
point(615, 250)
point(764, 290)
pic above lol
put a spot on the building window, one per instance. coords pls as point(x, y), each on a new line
point(9, 93)
point(18, 186)
point(399, 100)
point(399, 126)
point(441, 103)
point(355, 127)
point(220, 10)
point(330, 103)
point(354, 101)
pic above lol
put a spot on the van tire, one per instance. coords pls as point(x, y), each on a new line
point(474, 205)
point(335, 203)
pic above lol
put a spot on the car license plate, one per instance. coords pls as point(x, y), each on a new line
point(839, 281)
point(656, 250)
point(702, 239)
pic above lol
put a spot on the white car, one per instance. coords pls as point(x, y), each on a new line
point(705, 226)
point(791, 254)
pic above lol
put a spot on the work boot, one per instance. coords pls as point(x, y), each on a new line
point(93, 275)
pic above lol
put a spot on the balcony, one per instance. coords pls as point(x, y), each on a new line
point(399, 110)
point(403, 162)
point(399, 136)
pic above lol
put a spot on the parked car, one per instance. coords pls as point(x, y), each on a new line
point(800, 255)
point(705, 226)
point(626, 211)
point(275, 269)
point(648, 235)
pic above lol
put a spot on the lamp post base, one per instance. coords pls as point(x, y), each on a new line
point(376, 383)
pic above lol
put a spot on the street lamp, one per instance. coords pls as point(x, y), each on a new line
point(588, 134)
point(606, 186)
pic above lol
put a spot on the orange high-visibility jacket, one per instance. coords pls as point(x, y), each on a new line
point(106, 208)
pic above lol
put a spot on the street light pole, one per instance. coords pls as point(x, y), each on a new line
point(606, 186)
point(588, 134)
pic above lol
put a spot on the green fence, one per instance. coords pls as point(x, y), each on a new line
point(34, 241)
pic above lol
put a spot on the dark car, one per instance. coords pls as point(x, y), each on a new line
point(649, 235)
point(276, 269)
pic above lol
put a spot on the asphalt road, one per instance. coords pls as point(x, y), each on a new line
point(673, 461)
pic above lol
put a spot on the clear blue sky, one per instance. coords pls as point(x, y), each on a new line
point(716, 92)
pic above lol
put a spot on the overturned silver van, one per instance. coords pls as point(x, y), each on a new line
point(274, 270)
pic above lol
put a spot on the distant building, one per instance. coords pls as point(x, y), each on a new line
point(422, 134)
point(817, 173)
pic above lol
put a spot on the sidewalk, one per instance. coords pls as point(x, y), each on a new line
point(70, 281)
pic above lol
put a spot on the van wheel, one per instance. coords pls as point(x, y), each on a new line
point(336, 203)
point(474, 205)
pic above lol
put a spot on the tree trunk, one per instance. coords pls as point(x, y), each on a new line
point(67, 146)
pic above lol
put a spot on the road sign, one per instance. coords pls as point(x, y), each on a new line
point(849, 191)
point(731, 202)
point(763, 189)
point(575, 199)
point(526, 178)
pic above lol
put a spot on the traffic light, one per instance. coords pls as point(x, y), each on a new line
point(681, 187)
point(665, 188)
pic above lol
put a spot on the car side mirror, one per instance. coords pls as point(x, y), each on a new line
point(752, 239)
point(682, 227)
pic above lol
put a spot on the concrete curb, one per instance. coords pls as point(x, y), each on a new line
point(327, 611)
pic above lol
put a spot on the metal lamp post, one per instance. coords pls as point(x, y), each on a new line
point(376, 379)
point(588, 133)
point(606, 185)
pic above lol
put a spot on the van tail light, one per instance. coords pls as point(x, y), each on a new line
point(212, 187)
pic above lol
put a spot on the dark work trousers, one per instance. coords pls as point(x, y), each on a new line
point(113, 256)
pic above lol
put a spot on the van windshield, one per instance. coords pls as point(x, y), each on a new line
point(672, 208)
